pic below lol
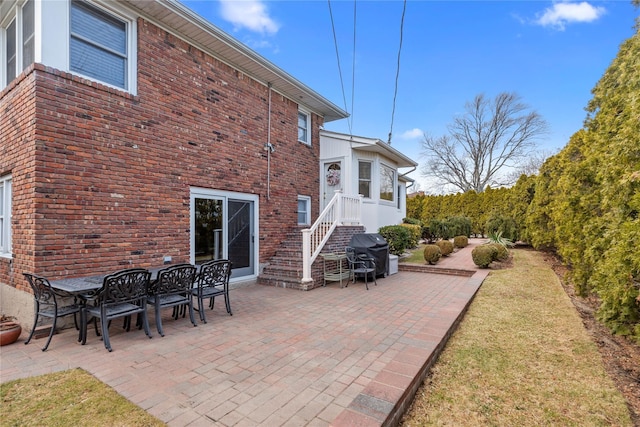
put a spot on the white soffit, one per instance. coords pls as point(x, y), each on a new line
point(187, 24)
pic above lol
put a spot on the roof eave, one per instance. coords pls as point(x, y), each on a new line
point(198, 31)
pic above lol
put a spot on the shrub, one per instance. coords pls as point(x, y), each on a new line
point(446, 247)
point(459, 226)
point(483, 255)
point(439, 229)
point(413, 221)
point(501, 253)
point(427, 234)
point(432, 253)
point(506, 226)
point(497, 237)
point(397, 237)
point(415, 233)
point(460, 241)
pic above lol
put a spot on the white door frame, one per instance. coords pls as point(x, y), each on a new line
point(327, 191)
point(207, 193)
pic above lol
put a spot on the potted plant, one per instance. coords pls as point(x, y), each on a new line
point(10, 330)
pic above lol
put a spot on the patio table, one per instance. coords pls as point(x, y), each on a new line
point(89, 284)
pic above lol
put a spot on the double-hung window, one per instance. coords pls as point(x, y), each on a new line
point(304, 210)
point(304, 127)
point(99, 45)
point(364, 179)
point(19, 42)
point(5, 216)
point(387, 183)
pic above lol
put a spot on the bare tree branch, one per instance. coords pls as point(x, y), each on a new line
point(490, 136)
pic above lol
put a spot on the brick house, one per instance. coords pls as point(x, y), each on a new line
point(135, 133)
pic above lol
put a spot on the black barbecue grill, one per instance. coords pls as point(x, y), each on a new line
point(374, 246)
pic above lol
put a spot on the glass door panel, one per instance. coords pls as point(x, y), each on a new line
point(209, 238)
point(240, 236)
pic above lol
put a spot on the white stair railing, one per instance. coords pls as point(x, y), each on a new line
point(341, 210)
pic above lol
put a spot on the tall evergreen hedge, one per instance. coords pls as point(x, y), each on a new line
point(585, 201)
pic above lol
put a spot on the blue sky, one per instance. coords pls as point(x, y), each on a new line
point(551, 53)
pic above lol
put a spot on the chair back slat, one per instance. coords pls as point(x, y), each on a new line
point(42, 290)
point(215, 273)
point(177, 279)
point(125, 286)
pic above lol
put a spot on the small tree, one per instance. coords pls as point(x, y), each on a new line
point(481, 142)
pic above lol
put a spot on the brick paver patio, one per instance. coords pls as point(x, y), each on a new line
point(330, 356)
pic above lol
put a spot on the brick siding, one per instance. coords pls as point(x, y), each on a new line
point(101, 178)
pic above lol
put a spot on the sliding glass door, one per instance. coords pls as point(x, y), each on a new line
point(223, 226)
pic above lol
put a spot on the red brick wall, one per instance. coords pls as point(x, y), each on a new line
point(17, 135)
point(113, 171)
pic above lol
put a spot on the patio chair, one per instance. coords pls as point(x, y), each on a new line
point(51, 303)
point(213, 281)
point(123, 294)
point(173, 289)
point(361, 265)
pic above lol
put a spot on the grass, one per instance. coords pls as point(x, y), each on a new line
point(66, 398)
point(417, 256)
point(520, 357)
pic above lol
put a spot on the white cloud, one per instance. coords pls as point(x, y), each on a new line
point(564, 13)
point(414, 133)
point(250, 14)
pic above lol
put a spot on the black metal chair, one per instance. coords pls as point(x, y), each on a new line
point(213, 281)
point(123, 294)
point(173, 289)
point(49, 302)
point(361, 265)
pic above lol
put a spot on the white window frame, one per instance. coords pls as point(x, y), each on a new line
point(15, 16)
point(307, 201)
point(5, 217)
point(394, 181)
point(130, 35)
point(307, 115)
point(369, 180)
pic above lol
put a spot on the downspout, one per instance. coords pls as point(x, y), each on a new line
point(269, 146)
point(407, 173)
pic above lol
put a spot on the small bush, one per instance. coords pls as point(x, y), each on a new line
point(507, 227)
point(397, 236)
point(432, 253)
point(501, 251)
point(427, 234)
point(446, 247)
point(413, 221)
point(483, 255)
point(460, 241)
point(415, 233)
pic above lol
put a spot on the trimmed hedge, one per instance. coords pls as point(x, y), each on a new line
point(398, 238)
point(501, 253)
point(432, 253)
point(483, 255)
point(446, 247)
point(460, 241)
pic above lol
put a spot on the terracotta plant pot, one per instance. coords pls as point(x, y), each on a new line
point(9, 332)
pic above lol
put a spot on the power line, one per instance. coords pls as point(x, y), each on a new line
point(353, 67)
point(335, 42)
point(395, 92)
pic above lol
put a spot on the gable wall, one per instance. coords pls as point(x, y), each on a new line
point(114, 170)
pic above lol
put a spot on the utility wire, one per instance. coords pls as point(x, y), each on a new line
point(335, 42)
point(353, 67)
point(395, 92)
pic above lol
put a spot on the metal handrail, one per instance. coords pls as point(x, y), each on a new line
point(341, 210)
